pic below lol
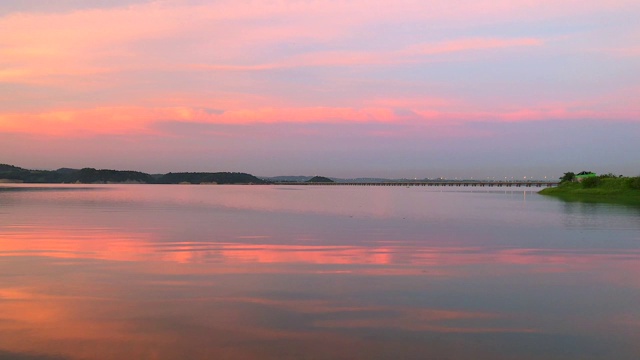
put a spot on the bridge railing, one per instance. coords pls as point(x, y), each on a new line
point(434, 183)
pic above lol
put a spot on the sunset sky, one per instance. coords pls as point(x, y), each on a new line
point(404, 88)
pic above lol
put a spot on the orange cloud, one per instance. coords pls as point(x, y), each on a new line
point(139, 120)
point(136, 120)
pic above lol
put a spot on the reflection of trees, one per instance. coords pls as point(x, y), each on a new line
point(587, 215)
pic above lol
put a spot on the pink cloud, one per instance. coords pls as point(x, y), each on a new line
point(414, 53)
point(37, 47)
point(132, 120)
point(138, 120)
point(633, 51)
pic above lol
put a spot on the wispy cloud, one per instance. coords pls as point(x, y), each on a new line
point(412, 54)
point(140, 120)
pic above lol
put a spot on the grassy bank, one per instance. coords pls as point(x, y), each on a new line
point(623, 190)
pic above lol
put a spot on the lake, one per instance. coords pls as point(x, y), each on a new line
point(314, 272)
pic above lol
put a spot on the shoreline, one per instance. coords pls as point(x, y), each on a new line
point(612, 191)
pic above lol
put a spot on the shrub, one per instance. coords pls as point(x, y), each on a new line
point(590, 182)
point(634, 182)
point(568, 177)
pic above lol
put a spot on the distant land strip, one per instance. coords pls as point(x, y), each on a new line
point(14, 174)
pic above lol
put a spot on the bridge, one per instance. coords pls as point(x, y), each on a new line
point(461, 183)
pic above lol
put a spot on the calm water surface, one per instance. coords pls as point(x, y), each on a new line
point(284, 272)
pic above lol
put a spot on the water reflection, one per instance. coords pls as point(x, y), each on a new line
point(101, 244)
point(120, 274)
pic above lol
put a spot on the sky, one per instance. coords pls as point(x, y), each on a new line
point(352, 88)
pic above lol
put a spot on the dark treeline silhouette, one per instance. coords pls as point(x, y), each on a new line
point(218, 178)
point(93, 176)
point(320, 179)
point(14, 173)
point(90, 176)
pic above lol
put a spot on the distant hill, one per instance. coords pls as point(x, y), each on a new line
point(320, 179)
point(93, 176)
point(6, 168)
point(10, 173)
point(18, 174)
point(209, 178)
point(66, 171)
point(301, 179)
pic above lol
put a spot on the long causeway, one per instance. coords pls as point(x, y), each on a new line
point(433, 183)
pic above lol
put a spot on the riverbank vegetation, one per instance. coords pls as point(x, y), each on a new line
point(603, 188)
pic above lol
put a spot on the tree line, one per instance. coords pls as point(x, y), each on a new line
point(95, 176)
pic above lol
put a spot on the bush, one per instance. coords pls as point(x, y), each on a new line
point(634, 183)
point(590, 182)
point(568, 177)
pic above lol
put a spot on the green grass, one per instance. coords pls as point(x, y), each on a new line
point(607, 190)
